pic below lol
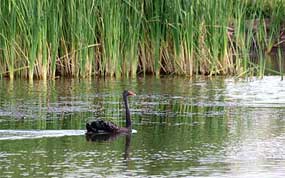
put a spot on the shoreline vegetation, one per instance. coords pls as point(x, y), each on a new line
point(124, 38)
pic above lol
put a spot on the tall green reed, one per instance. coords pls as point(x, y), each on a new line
point(80, 38)
point(111, 29)
point(132, 10)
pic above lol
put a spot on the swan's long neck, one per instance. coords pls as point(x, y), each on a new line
point(128, 115)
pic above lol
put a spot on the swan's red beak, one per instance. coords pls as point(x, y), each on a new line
point(130, 93)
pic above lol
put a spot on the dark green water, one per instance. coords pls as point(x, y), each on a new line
point(185, 128)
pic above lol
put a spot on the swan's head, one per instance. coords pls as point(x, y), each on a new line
point(128, 93)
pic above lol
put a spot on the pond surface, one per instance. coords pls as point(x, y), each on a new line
point(185, 128)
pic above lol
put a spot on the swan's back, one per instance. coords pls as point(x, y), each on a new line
point(99, 126)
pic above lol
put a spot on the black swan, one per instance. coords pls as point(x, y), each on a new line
point(100, 126)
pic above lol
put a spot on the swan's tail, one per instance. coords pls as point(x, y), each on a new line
point(90, 129)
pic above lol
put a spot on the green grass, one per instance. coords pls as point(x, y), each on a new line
point(124, 38)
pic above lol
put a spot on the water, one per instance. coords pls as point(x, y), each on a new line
point(218, 127)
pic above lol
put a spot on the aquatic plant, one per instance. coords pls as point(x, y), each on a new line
point(81, 38)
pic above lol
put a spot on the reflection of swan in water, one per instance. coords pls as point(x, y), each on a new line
point(103, 137)
point(110, 138)
point(127, 146)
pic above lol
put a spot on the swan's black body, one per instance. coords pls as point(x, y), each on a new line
point(100, 126)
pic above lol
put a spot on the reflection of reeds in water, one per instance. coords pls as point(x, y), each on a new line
point(43, 39)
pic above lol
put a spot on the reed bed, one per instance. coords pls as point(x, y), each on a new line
point(124, 38)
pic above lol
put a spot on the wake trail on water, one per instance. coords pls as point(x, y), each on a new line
point(33, 134)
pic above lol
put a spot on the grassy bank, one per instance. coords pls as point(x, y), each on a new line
point(82, 38)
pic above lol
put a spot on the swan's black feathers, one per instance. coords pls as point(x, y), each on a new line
point(99, 125)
